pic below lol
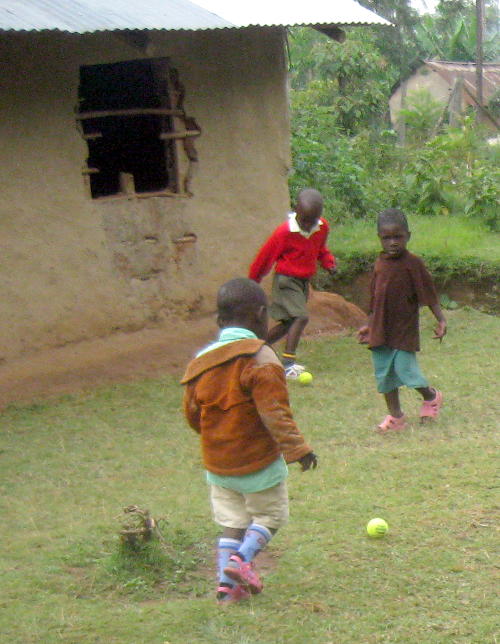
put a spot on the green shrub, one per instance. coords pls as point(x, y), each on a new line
point(420, 116)
point(483, 197)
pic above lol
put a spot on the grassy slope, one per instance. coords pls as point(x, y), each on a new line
point(453, 236)
point(460, 244)
point(69, 468)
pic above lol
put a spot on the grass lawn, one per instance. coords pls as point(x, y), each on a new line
point(69, 468)
point(454, 237)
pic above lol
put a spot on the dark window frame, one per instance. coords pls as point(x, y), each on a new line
point(131, 115)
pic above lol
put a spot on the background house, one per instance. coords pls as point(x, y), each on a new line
point(453, 84)
point(145, 152)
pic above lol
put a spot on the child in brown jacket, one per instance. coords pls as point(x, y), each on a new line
point(236, 398)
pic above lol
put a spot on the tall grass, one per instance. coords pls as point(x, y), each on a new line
point(68, 469)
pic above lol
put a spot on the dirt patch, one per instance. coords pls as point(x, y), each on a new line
point(149, 353)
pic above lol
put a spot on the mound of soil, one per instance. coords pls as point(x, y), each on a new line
point(149, 353)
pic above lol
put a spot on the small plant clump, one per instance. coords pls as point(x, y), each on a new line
point(150, 557)
point(141, 527)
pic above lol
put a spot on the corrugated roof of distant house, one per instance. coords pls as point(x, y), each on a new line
point(84, 16)
point(450, 71)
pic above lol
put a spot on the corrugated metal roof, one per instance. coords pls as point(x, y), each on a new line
point(268, 13)
point(450, 71)
point(82, 16)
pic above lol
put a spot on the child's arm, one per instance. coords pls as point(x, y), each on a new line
point(325, 257)
point(364, 331)
point(440, 330)
point(270, 394)
point(426, 293)
point(266, 257)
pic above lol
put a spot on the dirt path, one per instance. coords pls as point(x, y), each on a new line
point(150, 353)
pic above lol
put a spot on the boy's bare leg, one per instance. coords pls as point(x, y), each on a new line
point(277, 332)
point(294, 333)
point(234, 533)
point(427, 393)
point(393, 405)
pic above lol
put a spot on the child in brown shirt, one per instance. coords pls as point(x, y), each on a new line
point(236, 399)
point(400, 286)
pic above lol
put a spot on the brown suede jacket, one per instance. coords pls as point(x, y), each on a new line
point(237, 399)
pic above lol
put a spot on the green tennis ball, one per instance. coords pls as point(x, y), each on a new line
point(377, 528)
point(305, 378)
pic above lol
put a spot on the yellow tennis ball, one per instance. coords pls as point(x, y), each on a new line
point(305, 378)
point(377, 527)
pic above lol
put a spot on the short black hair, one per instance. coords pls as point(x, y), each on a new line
point(310, 198)
point(392, 216)
point(239, 297)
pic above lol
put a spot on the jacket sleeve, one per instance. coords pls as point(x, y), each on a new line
point(325, 257)
point(266, 257)
point(267, 385)
point(192, 410)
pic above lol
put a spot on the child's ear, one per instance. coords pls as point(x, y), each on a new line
point(262, 313)
point(409, 235)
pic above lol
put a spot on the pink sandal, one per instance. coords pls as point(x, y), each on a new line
point(391, 424)
point(431, 408)
point(243, 573)
point(232, 595)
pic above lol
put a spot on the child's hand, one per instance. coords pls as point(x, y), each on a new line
point(440, 331)
point(363, 334)
point(308, 461)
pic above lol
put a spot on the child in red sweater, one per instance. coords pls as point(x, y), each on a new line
point(295, 247)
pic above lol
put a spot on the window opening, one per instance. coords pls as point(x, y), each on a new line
point(132, 118)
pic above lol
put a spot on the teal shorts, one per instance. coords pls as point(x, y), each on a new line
point(288, 298)
point(396, 368)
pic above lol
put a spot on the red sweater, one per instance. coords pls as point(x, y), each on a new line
point(293, 254)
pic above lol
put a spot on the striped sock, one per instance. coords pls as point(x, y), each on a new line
point(225, 548)
point(256, 538)
point(288, 359)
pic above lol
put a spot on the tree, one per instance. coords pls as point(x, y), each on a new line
point(397, 43)
point(352, 80)
point(450, 33)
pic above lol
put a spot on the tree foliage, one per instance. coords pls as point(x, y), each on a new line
point(451, 33)
point(343, 144)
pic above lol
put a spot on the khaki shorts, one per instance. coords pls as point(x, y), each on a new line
point(232, 509)
point(288, 298)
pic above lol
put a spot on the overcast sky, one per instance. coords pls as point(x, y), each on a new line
point(424, 5)
point(231, 6)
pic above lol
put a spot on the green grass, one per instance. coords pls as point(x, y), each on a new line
point(455, 237)
point(68, 469)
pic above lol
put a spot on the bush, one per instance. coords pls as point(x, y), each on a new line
point(421, 115)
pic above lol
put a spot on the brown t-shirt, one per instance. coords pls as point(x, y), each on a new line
point(399, 286)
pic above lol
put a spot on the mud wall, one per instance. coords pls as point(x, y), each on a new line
point(482, 294)
point(75, 267)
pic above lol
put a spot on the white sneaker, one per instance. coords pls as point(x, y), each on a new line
point(292, 373)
